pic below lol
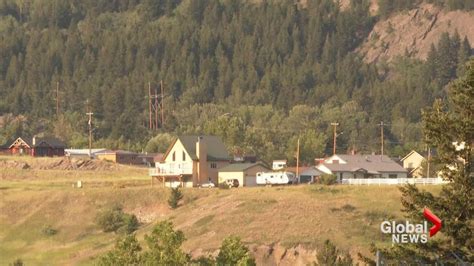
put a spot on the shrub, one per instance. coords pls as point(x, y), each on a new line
point(330, 255)
point(327, 179)
point(348, 208)
point(115, 220)
point(48, 230)
point(126, 252)
point(203, 261)
point(130, 223)
point(233, 252)
point(377, 216)
point(164, 246)
point(174, 198)
point(17, 262)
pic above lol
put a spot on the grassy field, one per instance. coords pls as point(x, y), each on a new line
point(32, 200)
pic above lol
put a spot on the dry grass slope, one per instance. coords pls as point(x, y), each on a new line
point(32, 199)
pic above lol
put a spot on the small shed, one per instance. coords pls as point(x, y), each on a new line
point(245, 173)
point(119, 156)
point(310, 175)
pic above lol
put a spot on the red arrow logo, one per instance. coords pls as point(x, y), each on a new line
point(434, 219)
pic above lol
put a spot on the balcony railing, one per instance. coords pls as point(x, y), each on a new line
point(164, 169)
point(393, 181)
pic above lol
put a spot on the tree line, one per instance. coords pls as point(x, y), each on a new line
point(280, 69)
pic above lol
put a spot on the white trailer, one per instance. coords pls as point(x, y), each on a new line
point(275, 178)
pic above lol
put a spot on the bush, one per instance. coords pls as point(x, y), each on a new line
point(327, 179)
point(164, 246)
point(174, 198)
point(48, 230)
point(126, 252)
point(233, 252)
point(115, 220)
point(348, 208)
point(203, 261)
point(17, 262)
point(130, 223)
point(330, 255)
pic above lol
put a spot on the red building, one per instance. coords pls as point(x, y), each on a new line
point(37, 147)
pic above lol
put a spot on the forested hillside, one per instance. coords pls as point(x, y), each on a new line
point(258, 73)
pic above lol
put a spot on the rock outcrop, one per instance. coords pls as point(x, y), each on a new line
point(412, 32)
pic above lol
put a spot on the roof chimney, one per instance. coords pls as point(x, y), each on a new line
point(34, 141)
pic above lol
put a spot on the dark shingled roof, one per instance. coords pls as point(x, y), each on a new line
point(239, 167)
point(216, 150)
point(44, 141)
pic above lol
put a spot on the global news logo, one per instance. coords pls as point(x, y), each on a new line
point(407, 232)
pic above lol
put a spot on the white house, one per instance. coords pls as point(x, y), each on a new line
point(361, 166)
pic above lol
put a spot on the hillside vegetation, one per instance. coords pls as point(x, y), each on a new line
point(295, 217)
point(237, 69)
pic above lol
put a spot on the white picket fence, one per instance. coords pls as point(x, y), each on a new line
point(393, 181)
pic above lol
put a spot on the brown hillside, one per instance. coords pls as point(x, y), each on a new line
point(414, 31)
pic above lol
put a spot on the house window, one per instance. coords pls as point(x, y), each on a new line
point(410, 165)
point(184, 156)
point(174, 156)
point(213, 165)
point(392, 176)
point(335, 161)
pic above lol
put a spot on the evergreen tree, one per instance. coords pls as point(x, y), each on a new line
point(449, 127)
point(174, 198)
point(465, 51)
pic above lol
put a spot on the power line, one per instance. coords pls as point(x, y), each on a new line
point(155, 105)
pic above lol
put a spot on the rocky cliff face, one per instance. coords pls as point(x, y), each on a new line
point(412, 32)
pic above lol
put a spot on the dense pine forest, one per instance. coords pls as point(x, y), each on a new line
point(260, 74)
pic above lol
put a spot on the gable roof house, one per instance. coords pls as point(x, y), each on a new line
point(36, 146)
point(413, 163)
point(191, 161)
point(361, 166)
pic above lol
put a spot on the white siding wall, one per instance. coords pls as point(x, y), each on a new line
point(178, 149)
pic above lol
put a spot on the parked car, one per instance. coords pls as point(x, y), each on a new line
point(232, 183)
point(208, 185)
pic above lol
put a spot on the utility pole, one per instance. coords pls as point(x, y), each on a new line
point(334, 124)
point(428, 162)
point(149, 106)
point(298, 159)
point(57, 99)
point(89, 113)
point(162, 104)
point(156, 103)
point(381, 136)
